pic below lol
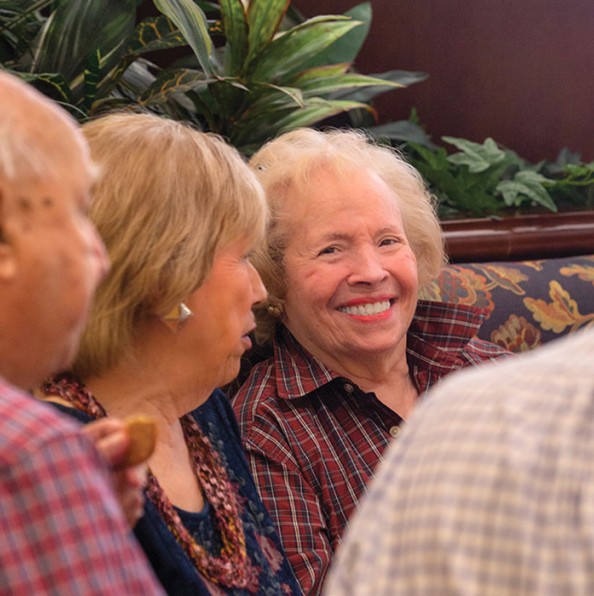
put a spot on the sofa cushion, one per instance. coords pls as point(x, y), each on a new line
point(526, 303)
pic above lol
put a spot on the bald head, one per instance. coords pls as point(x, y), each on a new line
point(35, 133)
point(51, 258)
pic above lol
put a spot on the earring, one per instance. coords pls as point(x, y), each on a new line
point(176, 318)
point(275, 310)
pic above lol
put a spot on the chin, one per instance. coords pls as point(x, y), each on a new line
point(229, 373)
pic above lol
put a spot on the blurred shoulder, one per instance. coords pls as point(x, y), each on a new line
point(27, 424)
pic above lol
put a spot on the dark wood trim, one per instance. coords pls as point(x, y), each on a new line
point(519, 237)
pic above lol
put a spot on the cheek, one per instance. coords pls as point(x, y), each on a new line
point(314, 282)
point(308, 291)
point(407, 272)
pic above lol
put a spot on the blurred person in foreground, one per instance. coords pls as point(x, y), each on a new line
point(61, 527)
point(490, 490)
point(353, 236)
point(179, 212)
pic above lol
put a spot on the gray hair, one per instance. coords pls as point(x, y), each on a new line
point(288, 163)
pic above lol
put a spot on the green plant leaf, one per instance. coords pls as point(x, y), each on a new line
point(19, 25)
point(318, 110)
point(329, 84)
point(529, 185)
point(402, 131)
point(171, 82)
point(52, 85)
point(228, 94)
point(489, 179)
point(456, 188)
point(477, 157)
point(235, 27)
point(263, 124)
point(156, 33)
point(92, 76)
point(347, 47)
point(268, 100)
point(264, 18)
point(138, 77)
point(399, 78)
point(314, 111)
point(329, 70)
point(289, 52)
point(403, 77)
point(191, 21)
point(207, 6)
point(78, 28)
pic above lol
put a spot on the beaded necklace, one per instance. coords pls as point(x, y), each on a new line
point(232, 567)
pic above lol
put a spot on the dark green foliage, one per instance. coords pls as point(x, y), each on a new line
point(248, 73)
point(484, 179)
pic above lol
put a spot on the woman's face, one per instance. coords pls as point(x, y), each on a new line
point(351, 273)
point(222, 314)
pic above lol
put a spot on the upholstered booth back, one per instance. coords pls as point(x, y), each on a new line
point(526, 303)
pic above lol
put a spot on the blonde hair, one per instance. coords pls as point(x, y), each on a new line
point(168, 198)
point(286, 166)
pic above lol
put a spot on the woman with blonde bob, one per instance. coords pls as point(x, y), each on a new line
point(179, 213)
point(353, 236)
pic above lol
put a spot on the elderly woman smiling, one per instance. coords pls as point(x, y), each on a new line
point(352, 238)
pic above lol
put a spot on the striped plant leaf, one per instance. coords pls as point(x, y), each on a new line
point(192, 23)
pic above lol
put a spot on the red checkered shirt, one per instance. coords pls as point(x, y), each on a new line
point(314, 438)
point(61, 529)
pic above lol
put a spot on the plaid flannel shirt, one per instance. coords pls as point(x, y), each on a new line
point(314, 438)
point(61, 529)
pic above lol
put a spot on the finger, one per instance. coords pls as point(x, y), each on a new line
point(102, 427)
point(111, 441)
point(135, 476)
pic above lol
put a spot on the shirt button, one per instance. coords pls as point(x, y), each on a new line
point(348, 388)
point(395, 431)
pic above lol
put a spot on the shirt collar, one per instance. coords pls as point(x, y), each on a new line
point(436, 336)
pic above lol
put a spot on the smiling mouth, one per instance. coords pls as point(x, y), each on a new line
point(372, 308)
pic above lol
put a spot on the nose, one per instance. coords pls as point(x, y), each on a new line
point(367, 267)
point(259, 292)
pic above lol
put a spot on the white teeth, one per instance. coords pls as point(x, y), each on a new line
point(366, 309)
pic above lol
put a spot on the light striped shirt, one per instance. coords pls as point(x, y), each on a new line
point(489, 490)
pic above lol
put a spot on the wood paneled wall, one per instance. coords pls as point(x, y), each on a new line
point(520, 71)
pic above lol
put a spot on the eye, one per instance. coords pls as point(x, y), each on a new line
point(389, 241)
point(329, 250)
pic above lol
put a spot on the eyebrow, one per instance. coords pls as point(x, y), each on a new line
point(333, 236)
point(391, 230)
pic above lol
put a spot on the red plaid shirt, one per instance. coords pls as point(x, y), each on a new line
point(61, 528)
point(314, 438)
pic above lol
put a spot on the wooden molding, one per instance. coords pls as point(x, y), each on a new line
point(519, 237)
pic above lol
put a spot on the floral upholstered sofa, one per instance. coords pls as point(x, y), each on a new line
point(526, 303)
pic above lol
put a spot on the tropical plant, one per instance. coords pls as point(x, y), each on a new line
point(249, 71)
point(73, 51)
point(481, 179)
